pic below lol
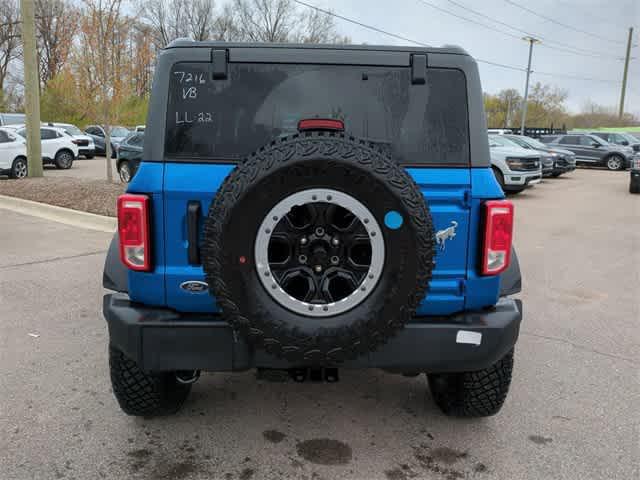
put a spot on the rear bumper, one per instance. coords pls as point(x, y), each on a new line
point(164, 340)
point(86, 151)
point(519, 180)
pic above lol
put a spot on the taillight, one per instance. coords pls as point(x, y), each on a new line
point(133, 228)
point(320, 124)
point(498, 235)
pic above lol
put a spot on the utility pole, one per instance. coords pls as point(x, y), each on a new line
point(626, 71)
point(531, 41)
point(31, 88)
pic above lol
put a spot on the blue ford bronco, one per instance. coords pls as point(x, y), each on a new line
point(300, 209)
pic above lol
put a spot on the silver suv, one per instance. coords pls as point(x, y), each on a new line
point(593, 150)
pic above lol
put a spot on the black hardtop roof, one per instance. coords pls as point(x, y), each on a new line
point(445, 49)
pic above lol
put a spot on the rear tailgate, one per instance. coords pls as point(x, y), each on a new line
point(218, 114)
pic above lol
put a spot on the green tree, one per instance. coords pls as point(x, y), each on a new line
point(546, 107)
point(502, 109)
point(60, 102)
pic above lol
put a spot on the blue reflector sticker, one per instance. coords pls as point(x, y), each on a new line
point(393, 220)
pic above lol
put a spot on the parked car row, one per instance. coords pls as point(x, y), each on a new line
point(58, 148)
point(62, 143)
point(98, 134)
point(559, 153)
point(520, 162)
point(593, 149)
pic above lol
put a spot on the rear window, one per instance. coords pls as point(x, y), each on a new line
point(226, 120)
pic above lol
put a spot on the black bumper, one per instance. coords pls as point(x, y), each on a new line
point(162, 340)
point(561, 170)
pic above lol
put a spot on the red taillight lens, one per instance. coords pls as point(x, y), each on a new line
point(133, 228)
point(498, 235)
point(320, 124)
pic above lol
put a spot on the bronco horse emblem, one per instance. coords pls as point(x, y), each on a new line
point(446, 234)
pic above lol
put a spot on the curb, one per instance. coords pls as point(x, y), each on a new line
point(67, 216)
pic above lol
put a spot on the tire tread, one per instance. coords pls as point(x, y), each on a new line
point(144, 394)
point(347, 342)
point(473, 394)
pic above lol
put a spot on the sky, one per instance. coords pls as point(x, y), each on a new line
point(606, 23)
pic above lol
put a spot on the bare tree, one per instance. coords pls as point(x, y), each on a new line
point(171, 19)
point(103, 35)
point(10, 41)
point(265, 20)
point(141, 47)
point(282, 21)
point(224, 26)
point(56, 27)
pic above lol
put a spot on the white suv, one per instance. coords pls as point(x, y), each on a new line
point(515, 168)
point(86, 147)
point(57, 146)
point(13, 154)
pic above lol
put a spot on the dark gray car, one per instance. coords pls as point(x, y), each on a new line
point(623, 139)
point(563, 160)
point(593, 150)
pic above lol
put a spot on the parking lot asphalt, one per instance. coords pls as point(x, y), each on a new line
point(94, 169)
point(572, 412)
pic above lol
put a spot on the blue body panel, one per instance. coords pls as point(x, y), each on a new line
point(185, 182)
point(453, 195)
point(149, 287)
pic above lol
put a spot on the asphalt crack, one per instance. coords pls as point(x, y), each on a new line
point(51, 260)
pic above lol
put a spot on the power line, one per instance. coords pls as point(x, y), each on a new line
point(370, 27)
point(573, 50)
point(416, 42)
point(553, 20)
point(576, 77)
point(440, 9)
point(400, 37)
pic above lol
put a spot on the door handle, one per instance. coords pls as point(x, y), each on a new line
point(193, 220)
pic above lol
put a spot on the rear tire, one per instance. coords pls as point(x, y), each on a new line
point(124, 170)
point(473, 394)
point(144, 394)
point(556, 174)
point(89, 157)
point(615, 162)
point(499, 177)
point(19, 168)
point(64, 160)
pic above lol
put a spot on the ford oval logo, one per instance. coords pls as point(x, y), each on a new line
point(195, 286)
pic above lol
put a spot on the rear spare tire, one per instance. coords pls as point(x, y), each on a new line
point(318, 248)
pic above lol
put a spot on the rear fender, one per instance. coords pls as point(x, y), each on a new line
point(510, 279)
point(115, 275)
